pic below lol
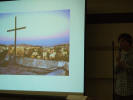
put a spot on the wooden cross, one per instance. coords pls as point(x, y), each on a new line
point(15, 29)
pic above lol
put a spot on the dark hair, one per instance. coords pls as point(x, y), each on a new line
point(126, 37)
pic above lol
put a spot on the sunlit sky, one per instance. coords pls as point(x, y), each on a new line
point(45, 28)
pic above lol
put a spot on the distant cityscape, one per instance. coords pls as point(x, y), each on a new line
point(57, 52)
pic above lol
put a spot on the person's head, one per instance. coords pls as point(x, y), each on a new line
point(125, 41)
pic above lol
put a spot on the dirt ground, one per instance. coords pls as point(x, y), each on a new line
point(16, 69)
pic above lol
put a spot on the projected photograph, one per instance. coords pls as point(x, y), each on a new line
point(35, 43)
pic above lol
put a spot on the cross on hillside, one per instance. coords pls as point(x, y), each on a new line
point(15, 29)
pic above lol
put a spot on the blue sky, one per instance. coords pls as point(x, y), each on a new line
point(45, 28)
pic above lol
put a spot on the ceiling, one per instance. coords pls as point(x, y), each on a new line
point(109, 6)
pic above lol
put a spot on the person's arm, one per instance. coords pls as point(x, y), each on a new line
point(119, 66)
point(129, 62)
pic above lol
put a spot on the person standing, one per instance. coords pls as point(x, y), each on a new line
point(124, 68)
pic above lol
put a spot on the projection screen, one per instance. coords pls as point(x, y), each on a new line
point(42, 46)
